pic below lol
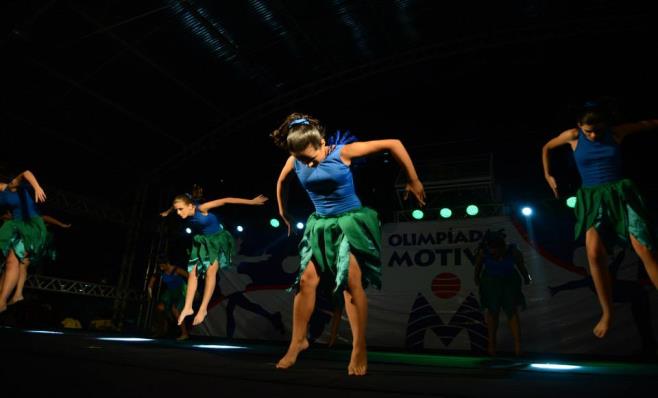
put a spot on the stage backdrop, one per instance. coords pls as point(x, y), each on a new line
point(429, 299)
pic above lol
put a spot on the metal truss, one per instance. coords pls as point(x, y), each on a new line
point(47, 283)
point(77, 204)
point(451, 49)
point(453, 183)
point(81, 205)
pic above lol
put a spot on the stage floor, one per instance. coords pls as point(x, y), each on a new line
point(66, 363)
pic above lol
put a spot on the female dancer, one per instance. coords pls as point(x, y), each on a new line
point(340, 249)
point(609, 208)
point(500, 286)
point(212, 248)
point(23, 237)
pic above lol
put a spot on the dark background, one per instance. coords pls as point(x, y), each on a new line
point(107, 99)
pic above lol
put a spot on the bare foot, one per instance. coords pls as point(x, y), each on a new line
point(602, 327)
point(15, 300)
point(184, 312)
point(3, 307)
point(183, 337)
point(200, 316)
point(291, 356)
point(358, 363)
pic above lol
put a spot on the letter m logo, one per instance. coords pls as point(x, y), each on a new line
point(423, 318)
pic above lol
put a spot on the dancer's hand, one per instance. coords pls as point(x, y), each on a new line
point(553, 184)
point(415, 187)
point(259, 200)
point(39, 195)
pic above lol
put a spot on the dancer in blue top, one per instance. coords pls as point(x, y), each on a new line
point(498, 271)
point(48, 253)
point(212, 248)
point(172, 294)
point(609, 208)
point(340, 249)
point(23, 237)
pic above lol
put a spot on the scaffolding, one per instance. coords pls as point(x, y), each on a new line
point(59, 285)
point(452, 183)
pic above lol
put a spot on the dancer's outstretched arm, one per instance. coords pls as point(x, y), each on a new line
point(39, 194)
point(358, 149)
point(622, 130)
point(52, 220)
point(257, 201)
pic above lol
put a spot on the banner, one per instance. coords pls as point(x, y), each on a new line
point(429, 299)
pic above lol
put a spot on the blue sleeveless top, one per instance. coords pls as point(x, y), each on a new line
point(20, 203)
point(329, 185)
point(598, 161)
point(204, 225)
point(500, 267)
point(172, 281)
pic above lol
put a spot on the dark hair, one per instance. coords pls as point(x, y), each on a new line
point(297, 132)
point(197, 191)
point(598, 111)
point(497, 240)
point(493, 238)
point(163, 259)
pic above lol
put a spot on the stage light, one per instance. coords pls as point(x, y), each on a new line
point(571, 201)
point(445, 212)
point(124, 339)
point(188, 230)
point(526, 211)
point(274, 223)
point(417, 214)
point(239, 228)
point(472, 210)
point(300, 225)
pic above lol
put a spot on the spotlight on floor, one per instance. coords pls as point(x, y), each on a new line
point(553, 366)
point(219, 347)
point(125, 339)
